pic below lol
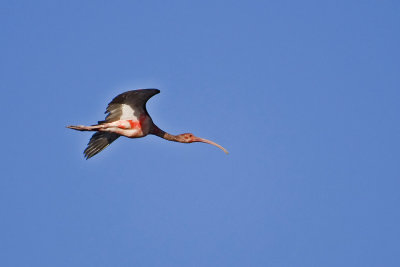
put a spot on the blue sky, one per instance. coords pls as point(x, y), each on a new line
point(304, 94)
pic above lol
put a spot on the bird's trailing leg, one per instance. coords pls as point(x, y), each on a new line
point(128, 128)
point(86, 128)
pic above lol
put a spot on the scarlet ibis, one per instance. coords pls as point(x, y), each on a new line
point(127, 116)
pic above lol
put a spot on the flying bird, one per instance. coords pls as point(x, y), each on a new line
point(127, 116)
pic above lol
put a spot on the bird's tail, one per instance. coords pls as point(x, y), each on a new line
point(85, 128)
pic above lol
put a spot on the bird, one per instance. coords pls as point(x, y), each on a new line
point(126, 115)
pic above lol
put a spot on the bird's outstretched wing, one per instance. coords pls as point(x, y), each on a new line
point(129, 105)
point(98, 142)
point(126, 106)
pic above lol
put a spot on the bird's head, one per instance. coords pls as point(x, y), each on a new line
point(190, 138)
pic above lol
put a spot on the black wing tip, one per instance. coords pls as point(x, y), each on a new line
point(98, 142)
point(86, 156)
point(93, 149)
point(148, 93)
point(155, 90)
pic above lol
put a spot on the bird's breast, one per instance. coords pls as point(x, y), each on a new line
point(145, 124)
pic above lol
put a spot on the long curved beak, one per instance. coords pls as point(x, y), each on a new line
point(198, 139)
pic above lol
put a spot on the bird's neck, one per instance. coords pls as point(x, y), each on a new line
point(157, 131)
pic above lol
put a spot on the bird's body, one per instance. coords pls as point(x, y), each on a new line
point(127, 116)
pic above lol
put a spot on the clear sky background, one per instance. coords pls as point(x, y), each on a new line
point(304, 94)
